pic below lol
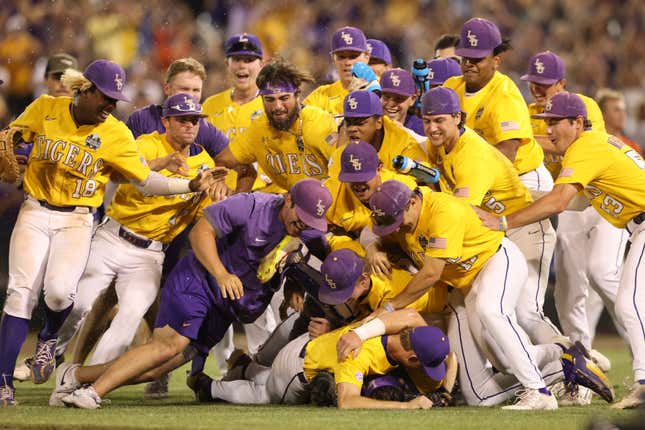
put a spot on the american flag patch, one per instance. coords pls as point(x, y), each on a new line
point(510, 125)
point(566, 173)
point(462, 192)
point(332, 138)
point(438, 242)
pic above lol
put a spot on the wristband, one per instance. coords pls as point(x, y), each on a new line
point(503, 224)
point(370, 329)
point(388, 307)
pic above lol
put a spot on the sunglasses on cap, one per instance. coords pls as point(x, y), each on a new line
point(243, 46)
point(470, 60)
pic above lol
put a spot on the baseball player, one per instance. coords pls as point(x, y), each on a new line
point(56, 65)
point(129, 245)
point(348, 46)
point(462, 255)
point(610, 174)
point(445, 47)
point(78, 146)
point(398, 96)
point(209, 288)
point(440, 69)
point(288, 142)
point(612, 106)
point(364, 120)
point(496, 110)
point(589, 250)
point(380, 57)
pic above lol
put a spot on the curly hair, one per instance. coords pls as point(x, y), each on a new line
point(279, 70)
point(75, 81)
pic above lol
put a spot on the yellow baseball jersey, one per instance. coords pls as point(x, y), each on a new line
point(232, 119)
point(328, 97)
point(160, 218)
point(553, 162)
point(396, 141)
point(498, 112)
point(480, 174)
point(448, 228)
point(70, 165)
point(277, 152)
point(383, 291)
point(321, 356)
point(612, 174)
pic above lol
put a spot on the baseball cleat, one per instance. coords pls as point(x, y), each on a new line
point(157, 389)
point(66, 383)
point(531, 399)
point(22, 372)
point(237, 364)
point(634, 399)
point(7, 396)
point(578, 369)
point(200, 383)
point(569, 394)
point(601, 361)
point(83, 398)
point(44, 361)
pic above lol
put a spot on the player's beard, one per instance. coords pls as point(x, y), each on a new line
point(285, 124)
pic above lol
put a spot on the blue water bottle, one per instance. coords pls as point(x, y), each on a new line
point(424, 175)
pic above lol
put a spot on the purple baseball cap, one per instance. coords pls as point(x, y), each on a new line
point(348, 39)
point(108, 77)
point(311, 199)
point(358, 162)
point(378, 50)
point(361, 104)
point(545, 68)
point(440, 101)
point(563, 105)
point(388, 204)
point(340, 270)
point(431, 346)
point(398, 81)
point(181, 104)
point(440, 69)
point(243, 44)
point(479, 37)
point(382, 381)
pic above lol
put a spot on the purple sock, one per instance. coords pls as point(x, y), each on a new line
point(53, 322)
point(544, 390)
point(641, 381)
point(13, 332)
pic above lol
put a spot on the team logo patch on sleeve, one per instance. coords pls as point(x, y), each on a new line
point(359, 376)
point(438, 242)
point(566, 173)
point(93, 141)
point(509, 126)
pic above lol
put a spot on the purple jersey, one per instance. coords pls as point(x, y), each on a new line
point(148, 119)
point(415, 124)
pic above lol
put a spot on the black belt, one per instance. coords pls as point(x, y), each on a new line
point(638, 219)
point(303, 351)
point(46, 205)
point(134, 239)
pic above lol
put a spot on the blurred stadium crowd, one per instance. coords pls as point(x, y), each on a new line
point(600, 40)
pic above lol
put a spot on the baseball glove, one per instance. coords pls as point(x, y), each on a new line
point(9, 170)
point(441, 399)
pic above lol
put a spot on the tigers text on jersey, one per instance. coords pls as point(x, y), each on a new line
point(449, 229)
point(498, 112)
point(612, 174)
point(480, 174)
point(552, 161)
point(70, 165)
point(280, 155)
point(160, 218)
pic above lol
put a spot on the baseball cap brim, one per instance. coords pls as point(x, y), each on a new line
point(436, 373)
point(334, 297)
point(348, 48)
point(538, 79)
point(545, 115)
point(384, 230)
point(201, 115)
point(396, 91)
point(356, 176)
point(312, 221)
point(246, 53)
point(473, 53)
point(112, 94)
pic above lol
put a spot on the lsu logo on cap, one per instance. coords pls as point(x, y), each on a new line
point(190, 103)
point(396, 81)
point(430, 73)
point(353, 103)
point(378, 212)
point(330, 282)
point(548, 106)
point(369, 48)
point(472, 38)
point(347, 38)
point(243, 38)
point(118, 82)
point(356, 162)
point(539, 66)
point(320, 208)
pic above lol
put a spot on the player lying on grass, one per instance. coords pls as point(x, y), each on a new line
point(209, 288)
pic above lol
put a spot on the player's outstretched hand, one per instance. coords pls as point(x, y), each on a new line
point(208, 178)
point(378, 262)
point(318, 326)
point(349, 343)
point(488, 219)
point(230, 286)
point(421, 402)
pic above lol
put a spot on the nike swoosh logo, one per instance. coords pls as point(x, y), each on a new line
point(49, 118)
point(258, 240)
point(185, 325)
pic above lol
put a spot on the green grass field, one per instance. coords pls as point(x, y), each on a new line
point(128, 410)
